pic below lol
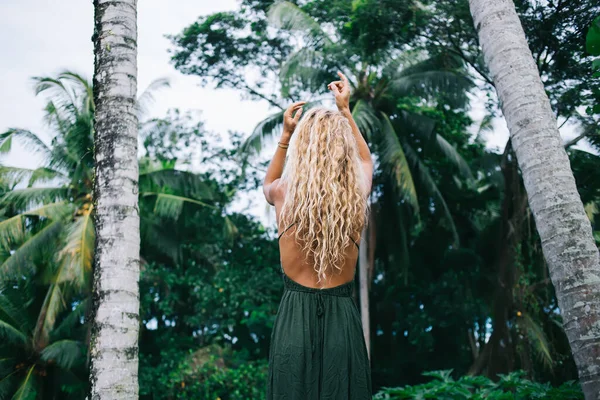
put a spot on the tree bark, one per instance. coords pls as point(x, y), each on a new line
point(363, 279)
point(114, 339)
point(564, 228)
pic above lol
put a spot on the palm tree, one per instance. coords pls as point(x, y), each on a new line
point(397, 135)
point(33, 364)
point(564, 228)
point(45, 213)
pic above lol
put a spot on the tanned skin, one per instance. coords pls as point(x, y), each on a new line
point(292, 260)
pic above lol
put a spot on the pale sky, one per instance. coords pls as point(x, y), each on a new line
point(44, 37)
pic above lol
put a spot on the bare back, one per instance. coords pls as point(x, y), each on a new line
point(293, 261)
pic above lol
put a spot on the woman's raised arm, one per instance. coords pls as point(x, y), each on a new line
point(275, 169)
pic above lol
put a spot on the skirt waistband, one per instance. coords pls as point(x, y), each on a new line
point(343, 290)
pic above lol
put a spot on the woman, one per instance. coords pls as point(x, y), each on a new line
point(317, 345)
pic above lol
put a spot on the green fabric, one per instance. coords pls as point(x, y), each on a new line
point(318, 349)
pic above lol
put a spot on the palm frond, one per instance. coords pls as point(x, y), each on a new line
point(12, 230)
point(27, 390)
point(20, 262)
point(426, 180)
point(229, 229)
point(182, 183)
point(453, 156)
point(11, 334)
point(147, 97)
point(288, 16)
point(72, 320)
point(53, 211)
point(366, 119)
point(591, 209)
point(265, 128)
point(54, 303)
point(8, 382)
point(27, 138)
point(308, 68)
point(439, 75)
point(170, 205)
point(485, 125)
point(44, 175)
point(394, 161)
point(61, 96)
point(13, 175)
point(77, 254)
point(22, 199)
point(537, 338)
point(155, 236)
point(83, 88)
point(430, 84)
point(65, 353)
point(14, 314)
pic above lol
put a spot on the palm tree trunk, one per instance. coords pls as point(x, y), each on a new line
point(564, 228)
point(363, 269)
point(114, 341)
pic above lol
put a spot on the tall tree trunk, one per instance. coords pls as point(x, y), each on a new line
point(564, 228)
point(114, 341)
point(363, 279)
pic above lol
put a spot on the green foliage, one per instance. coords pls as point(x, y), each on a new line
point(593, 47)
point(513, 386)
point(211, 373)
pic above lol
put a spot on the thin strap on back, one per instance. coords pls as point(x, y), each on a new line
point(292, 224)
point(286, 229)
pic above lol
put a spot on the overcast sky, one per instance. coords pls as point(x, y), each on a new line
point(44, 37)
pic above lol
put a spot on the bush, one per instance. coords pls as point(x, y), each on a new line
point(509, 387)
point(244, 382)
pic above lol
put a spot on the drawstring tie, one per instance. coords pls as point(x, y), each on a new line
point(320, 306)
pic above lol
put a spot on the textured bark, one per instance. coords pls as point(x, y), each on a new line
point(363, 279)
point(114, 339)
point(564, 228)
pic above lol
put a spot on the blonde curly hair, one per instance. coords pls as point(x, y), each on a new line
point(326, 194)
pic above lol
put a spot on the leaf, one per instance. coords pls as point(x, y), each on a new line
point(14, 314)
point(72, 320)
point(395, 163)
point(592, 40)
point(54, 303)
point(170, 205)
point(12, 230)
point(288, 16)
point(537, 338)
point(77, 254)
point(21, 260)
point(429, 78)
point(65, 353)
point(366, 119)
point(27, 390)
point(11, 334)
point(145, 99)
point(33, 197)
point(453, 156)
point(430, 186)
point(28, 138)
point(308, 68)
point(183, 183)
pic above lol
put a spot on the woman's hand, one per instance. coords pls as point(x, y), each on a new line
point(290, 120)
point(341, 91)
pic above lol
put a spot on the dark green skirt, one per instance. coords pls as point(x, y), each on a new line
point(318, 349)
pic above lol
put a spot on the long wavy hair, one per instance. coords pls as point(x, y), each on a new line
point(326, 195)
